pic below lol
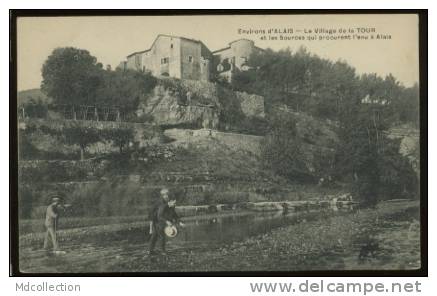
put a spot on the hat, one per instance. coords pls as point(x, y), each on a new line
point(164, 190)
point(55, 197)
point(171, 231)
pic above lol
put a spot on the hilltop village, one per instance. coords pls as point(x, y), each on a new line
point(186, 58)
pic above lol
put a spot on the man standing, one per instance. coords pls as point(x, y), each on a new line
point(51, 223)
point(154, 211)
point(164, 214)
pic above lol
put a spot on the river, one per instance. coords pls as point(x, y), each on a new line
point(126, 251)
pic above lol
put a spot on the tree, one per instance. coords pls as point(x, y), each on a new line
point(407, 106)
point(124, 88)
point(282, 150)
point(368, 158)
point(120, 137)
point(357, 152)
point(71, 76)
point(82, 136)
point(398, 178)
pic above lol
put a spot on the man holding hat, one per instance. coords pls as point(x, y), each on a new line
point(51, 223)
point(164, 197)
point(164, 214)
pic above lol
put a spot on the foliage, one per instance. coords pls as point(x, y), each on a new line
point(320, 87)
point(120, 137)
point(32, 94)
point(53, 171)
point(82, 136)
point(71, 76)
point(408, 105)
point(368, 158)
point(26, 149)
point(398, 178)
point(124, 88)
point(34, 108)
point(25, 201)
point(282, 150)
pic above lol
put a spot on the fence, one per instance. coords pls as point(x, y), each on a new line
point(79, 112)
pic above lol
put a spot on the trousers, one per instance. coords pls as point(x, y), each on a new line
point(50, 237)
point(157, 234)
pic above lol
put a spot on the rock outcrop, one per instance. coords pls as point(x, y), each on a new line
point(251, 105)
point(167, 108)
point(196, 104)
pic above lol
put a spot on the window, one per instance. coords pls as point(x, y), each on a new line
point(165, 60)
point(171, 45)
point(190, 59)
point(138, 60)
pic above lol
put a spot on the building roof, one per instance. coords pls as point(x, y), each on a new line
point(171, 36)
point(229, 45)
point(240, 40)
point(221, 49)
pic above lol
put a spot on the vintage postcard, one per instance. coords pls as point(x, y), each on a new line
point(218, 143)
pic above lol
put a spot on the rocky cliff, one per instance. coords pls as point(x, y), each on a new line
point(197, 104)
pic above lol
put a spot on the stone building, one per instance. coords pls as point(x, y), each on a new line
point(173, 56)
point(234, 58)
point(186, 58)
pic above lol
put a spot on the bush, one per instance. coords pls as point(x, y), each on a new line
point(282, 151)
point(34, 108)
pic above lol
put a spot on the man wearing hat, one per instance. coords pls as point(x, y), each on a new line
point(164, 215)
point(51, 223)
point(164, 197)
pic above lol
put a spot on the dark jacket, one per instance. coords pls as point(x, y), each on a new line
point(166, 213)
point(153, 214)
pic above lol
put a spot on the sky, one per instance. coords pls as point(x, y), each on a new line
point(112, 38)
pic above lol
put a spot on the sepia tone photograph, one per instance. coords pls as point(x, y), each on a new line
point(218, 143)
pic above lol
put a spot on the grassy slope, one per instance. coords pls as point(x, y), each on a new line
point(25, 95)
point(220, 157)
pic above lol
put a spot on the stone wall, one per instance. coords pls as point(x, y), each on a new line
point(144, 134)
point(60, 170)
point(234, 141)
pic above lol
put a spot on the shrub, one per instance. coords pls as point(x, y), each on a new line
point(282, 150)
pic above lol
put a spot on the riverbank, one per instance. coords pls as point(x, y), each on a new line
point(387, 237)
point(374, 239)
point(33, 231)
